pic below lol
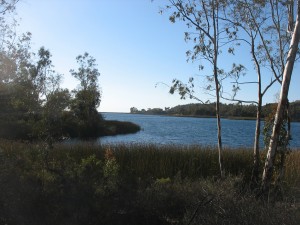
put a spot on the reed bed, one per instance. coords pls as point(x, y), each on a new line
point(292, 168)
point(170, 160)
point(148, 160)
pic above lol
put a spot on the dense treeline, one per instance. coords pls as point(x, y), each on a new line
point(226, 110)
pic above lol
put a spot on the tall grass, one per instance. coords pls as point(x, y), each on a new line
point(148, 160)
point(170, 160)
point(292, 168)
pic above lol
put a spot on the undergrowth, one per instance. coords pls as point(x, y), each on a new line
point(137, 184)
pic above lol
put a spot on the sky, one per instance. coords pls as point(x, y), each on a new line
point(138, 51)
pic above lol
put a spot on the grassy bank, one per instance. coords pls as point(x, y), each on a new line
point(136, 184)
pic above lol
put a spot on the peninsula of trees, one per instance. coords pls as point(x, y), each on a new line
point(34, 106)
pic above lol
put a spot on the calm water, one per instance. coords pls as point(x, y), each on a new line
point(189, 131)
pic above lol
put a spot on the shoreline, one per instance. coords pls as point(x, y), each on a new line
point(195, 116)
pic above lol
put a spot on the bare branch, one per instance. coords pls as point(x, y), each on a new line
point(268, 86)
point(249, 82)
point(185, 15)
point(239, 100)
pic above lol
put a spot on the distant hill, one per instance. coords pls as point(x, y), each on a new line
point(226, 110)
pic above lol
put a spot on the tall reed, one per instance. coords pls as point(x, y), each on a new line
point(148, 160)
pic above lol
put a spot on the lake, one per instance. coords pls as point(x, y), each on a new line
point(189, 131)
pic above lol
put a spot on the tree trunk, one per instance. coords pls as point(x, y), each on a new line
point(217, 84)
point(256, 155)
point(284, 149)
point(220, 149)
point(268, 168)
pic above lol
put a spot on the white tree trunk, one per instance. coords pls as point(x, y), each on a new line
point(256, 156)
point(268, 168)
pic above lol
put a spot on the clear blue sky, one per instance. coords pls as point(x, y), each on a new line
point(135, 48)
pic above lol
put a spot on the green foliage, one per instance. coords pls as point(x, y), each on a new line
point(51, 124)
point(283, 140)
point(87, 72)
point(282, 148)
point(111, 171)
point(87, 97)
point(84, 109)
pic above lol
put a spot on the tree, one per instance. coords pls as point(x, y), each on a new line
point(16, 71)
point(36, 80)
point(53, 100)
point(7, 32)
point(134, 110)
point(263, 30)
point(87, 73)
point(87, 96)
point(210, 35)
point(31, 84)
point(287, 74)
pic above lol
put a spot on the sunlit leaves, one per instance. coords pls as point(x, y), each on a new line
point(235, 73)
point(88, 95)
point(87, 73)
point(184, 90)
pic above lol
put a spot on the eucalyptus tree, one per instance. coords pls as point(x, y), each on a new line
point(8, 39)
point(31, 81)
point(34, 79)
point(209, 34)
point(287, 74)
point(53, 100)
point(16, 65)
point(262, 25)
point(88, 95)
point(7, 8)
point(87, 73)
